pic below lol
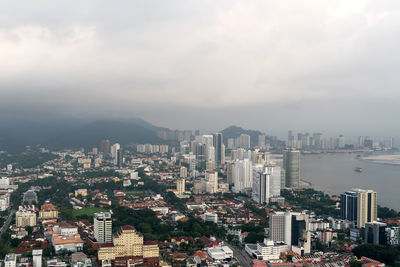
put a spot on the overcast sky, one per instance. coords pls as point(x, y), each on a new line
point(327, 66)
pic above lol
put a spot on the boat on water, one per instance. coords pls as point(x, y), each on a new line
point(358, 169)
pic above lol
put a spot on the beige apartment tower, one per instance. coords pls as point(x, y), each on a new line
point(367, 207)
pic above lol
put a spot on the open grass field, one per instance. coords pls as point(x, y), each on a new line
point(87, 211)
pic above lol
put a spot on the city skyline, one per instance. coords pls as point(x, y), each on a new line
point(199, 133)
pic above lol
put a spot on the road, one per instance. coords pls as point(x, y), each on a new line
point(7, 222)
point(242, 257)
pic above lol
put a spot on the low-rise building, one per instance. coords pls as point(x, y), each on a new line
point(268, 250)
point(220, 253)
point(48, 211)
point(79, 259)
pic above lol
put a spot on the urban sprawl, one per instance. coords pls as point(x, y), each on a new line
point(191, 200)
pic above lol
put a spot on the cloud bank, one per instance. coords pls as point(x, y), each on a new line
point(101, 58)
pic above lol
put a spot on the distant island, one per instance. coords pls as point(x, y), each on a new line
point(383, 159)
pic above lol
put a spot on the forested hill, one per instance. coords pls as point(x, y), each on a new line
point(15, 135)
point(234, 131)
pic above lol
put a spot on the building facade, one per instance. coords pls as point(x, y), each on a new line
point(102, 224)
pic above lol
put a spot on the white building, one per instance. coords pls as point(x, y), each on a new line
point(163, 148)
point(210, 217)
point(4, 202)
point(242, 175)
point(220, 253)
point(114, 152)
point(24, 218)
point(183, 172)
point(134, 175)
point(102, 227)
point(269, 250)
point(37, 257)
point(10, 260)
point(244, 141)
point(266, 183)
point(212, 181)
point(4, 182)
point(292, 228)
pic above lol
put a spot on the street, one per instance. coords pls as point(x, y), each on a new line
point(242, 257)
point(7, 222)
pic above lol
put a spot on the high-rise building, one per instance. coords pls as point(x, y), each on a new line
point(266, 183)
point(231, 143)
point(317, 140)
point(359, 206)
point(243, 175)
point(244, 141)
point(102, 227)
point(210, 154)
point(183, 172)
point(212, 182)
point(222, 154)
point(230, 173)
point(367, 207)
point(291, 228)
point(25, 217)
point(218, 143)
point(261, 140)
point(360, 141)
point(375, 233)
point(341, 141)
point(120, 157)
point(291, 164)
point(114, 152)
point(180, 186)
point(291, 142)
point(207, 139)
point(105, 146)
point(348, 206)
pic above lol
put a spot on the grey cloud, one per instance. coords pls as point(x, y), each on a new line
point(253, 63)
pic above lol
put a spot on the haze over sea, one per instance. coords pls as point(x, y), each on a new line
point(334, 174)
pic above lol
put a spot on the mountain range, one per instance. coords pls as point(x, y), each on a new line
point(15, 135)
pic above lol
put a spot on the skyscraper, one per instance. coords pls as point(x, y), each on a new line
point(359, 206)
point(348, 206)
point(183, 172)
point(244, 141)
point(212, 182)
point(375, 233)
point(291, 164)
point(218, 142)
point(291, 228)
point(105, 146)
point(243, 175)
point(180, 186)
point(266, 183)
point(102, 223)
point(114, 152)
point(261, 140)
point(367, 207)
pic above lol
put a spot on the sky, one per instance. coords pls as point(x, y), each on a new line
point(328, 66)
